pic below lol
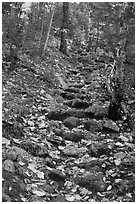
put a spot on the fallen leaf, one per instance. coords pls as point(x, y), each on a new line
point(132, 146)
point(117, 162)
point(84, 191)
point(5, 141)
point(61, 147)
point(54, 155)
point(32, 128)
point(109, 188)
point(78, 197)
point(118, 180)
point(32, 167)
point(70, 198)
point(38, 192)
point(30, 123)
point(119, 144)
point(40, 174)
point(123, 138)
point(42, 125)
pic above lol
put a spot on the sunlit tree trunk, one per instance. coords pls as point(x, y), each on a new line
point(97, 37)
point(48, 34)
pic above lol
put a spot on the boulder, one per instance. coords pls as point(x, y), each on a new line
point(71, 122)
point(79, 114)
point(9, 166)
point(93, 125)
point(72, 89)
point(110, 125)
point(79, 104)
point(74, 150)
point(56, 175)
point(55, 115)
point(68, 96)
point(73, 136)
point(98, 110)
point(92, 181)
point(98, 149)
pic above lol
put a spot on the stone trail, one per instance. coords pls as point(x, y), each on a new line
point(78, 153)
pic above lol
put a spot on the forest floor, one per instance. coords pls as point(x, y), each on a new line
point(58, 143)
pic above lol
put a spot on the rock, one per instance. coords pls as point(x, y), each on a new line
point(71, 122)
point(35, 198)
point(13, 185)
point(98, 110)
point(74, 71)
point(58, 132)
point(51, 100)
point(93, 182)
point(54, 124)
point(49, 162)
point(89, 112)
point(68, 96)
point(75, 112)
point(94, 85)
point(90, 164)
point(103, 149)
point(98, 149)
point(68, 102)
point(72, 89)
point(87, 82)
point(59, 99)
point(56, 175)
point(8, 165)
point(89, 69)
point(93, 150)
point(62, 82)
point(74, 151)
point(77, 85)
point(35, 149)
point(79, 114)
point(73, 136)
point(93, 125)
point(69, 112)
point(59, 198)
point(11, 154)
point(4, 157)
point(46, 187)
point(110, 126)
point(22, 154)
point(55, 140)
point(55, 115)
point(5, 197)
point(77, 103)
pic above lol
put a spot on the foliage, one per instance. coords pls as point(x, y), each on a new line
point(99, 26)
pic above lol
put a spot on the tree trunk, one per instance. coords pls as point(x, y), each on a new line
point(64, 28)
point(46, 42)
point(97, 38)
point(41, 35)
point(115, 87)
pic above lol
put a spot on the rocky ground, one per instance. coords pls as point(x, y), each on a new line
point(58, 143)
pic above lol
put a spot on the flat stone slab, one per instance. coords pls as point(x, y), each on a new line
point(74, 150)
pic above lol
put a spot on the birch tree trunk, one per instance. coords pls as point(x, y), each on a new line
point(48, 34)
point(41, 34)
